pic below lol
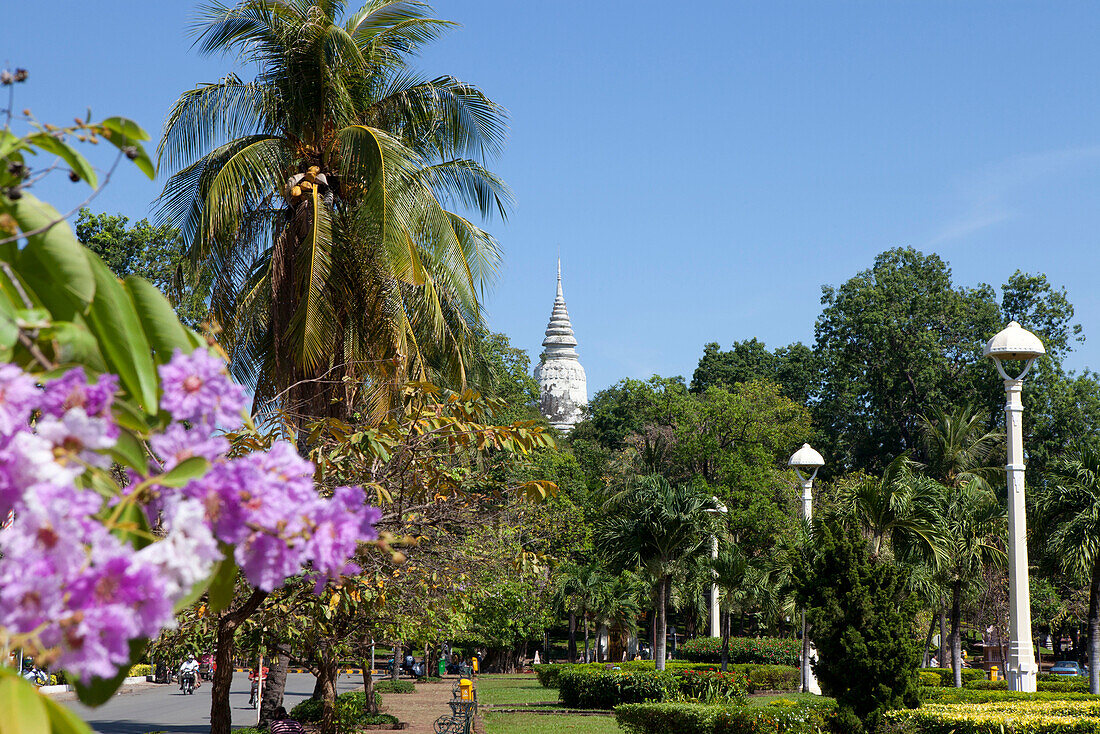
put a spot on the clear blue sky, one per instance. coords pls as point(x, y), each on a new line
point(705, 167)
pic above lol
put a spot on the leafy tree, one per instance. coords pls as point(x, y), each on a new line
point(654, 525)
point(895, 341)
point(1071, 506)
point(153, 253)
point(794, 368)
point(860, 612)
point(313, 196)
point(506, 375)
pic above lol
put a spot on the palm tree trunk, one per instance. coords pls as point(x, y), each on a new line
point(942, 658)
point(928, 640)
point(586, 637)
point(956, 625)
point(662, 627)
point(572, 639)
point(1094, 628)
point(725, 641)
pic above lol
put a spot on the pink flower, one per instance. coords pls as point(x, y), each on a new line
point(197, 389)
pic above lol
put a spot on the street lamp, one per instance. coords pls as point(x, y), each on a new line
point(808, 460)
point(715, 628)
point(1017, 344)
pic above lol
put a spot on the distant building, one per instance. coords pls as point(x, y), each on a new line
point(559, 373)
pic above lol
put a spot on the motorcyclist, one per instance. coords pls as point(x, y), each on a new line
point(255, 687)
point(189, 673)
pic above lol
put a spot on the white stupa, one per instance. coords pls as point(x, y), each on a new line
point(559, 372)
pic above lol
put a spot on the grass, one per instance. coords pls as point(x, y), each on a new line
point(505, 690)
point(549, 724)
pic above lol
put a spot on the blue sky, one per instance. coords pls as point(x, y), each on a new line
point(704, 167)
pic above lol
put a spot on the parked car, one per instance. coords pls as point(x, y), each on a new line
point(1069, 668)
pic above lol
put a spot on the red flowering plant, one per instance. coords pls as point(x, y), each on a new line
point(713, 686)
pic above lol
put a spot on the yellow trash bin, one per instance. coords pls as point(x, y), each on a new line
point(466, 689)
point(993, 672)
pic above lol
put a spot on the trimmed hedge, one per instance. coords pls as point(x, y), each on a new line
point(947, 676)
point(758, 677)
point(971, 695)
point(585, 689)
point(779, 717)
point(1059, 686)
point(1001, 717)
point(758, 650)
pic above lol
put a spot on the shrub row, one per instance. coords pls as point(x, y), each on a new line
point(1001, 717)
point(779, 717)
point(758, 677)
point(142, 669)
point(713, 686)
point(1079, 685)
point(947, 676)
point(603, 689)
point(971, 695)
point(351, 712)
point(758, 650)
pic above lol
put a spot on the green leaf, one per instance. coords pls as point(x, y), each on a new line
point(184, 472)
point(133, 526)
point(115, 323)
point(64, 259)
point(9, 332)
point(63, 720)
point(63, 150)
point(162, 326)
point(32, 318)
point(125, 126)
point(22, 707)
point(76, 345)
point(100, 690)
point(127, 134)
point(224, 582)
point(129, 451)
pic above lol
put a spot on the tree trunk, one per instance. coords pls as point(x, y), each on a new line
point(928, 640)
point(221, 715)
point(942, 658)
point(1094, 628)
point(327, 678)
point(662, 628)
point(572, 651)
point(275, 683)
point(956, 627)
point(586, 637)
point(725, 641)
point(398, 654)
point(368, 688)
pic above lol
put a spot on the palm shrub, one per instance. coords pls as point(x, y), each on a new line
point(860, 612)
point(1071, 507)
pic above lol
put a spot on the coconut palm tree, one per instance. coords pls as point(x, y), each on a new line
point(314, 196)
point(958, 446)
point(655, 525)
point(1071, 507)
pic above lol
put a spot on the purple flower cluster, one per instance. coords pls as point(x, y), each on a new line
point(79, 591)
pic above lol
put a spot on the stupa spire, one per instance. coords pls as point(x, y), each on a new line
point(560, 374)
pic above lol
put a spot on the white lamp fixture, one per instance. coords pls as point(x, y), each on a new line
point(1016, 344)
point(809, 461)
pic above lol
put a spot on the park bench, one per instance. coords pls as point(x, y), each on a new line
point(461, 719)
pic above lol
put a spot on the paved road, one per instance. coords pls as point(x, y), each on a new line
point(162, 708)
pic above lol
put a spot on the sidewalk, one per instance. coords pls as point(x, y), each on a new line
point(422, 708)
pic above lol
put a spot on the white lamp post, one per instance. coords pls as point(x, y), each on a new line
point(1017, 344)
point(715, 626)
point(808, 460)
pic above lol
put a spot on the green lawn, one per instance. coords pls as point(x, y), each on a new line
point(549, 724)
point(504, 690)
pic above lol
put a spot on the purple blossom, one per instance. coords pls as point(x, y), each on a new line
point(72, 390)
point(77, 436)
point(197, 389)
point(18, 396)
point(178, 444)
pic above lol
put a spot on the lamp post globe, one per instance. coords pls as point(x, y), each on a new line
point(805, 462)
point(1016, 344)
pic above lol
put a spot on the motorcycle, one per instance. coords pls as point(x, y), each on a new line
point(187, 680)
point(36, 676)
